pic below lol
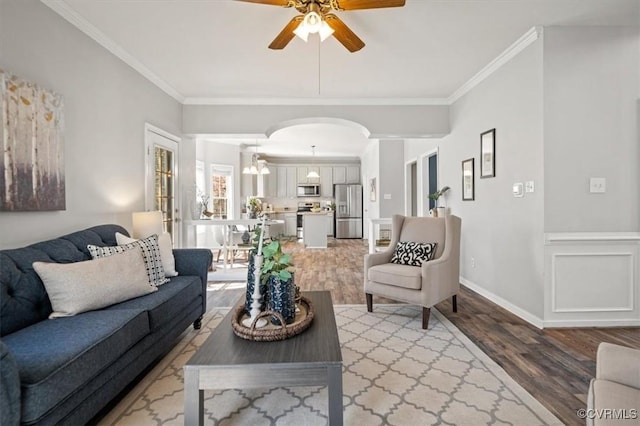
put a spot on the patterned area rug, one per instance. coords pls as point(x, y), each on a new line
point(394, 373)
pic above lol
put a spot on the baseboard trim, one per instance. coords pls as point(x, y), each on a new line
point(517, 311)
point(591, 323)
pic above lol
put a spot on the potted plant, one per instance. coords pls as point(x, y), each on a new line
point(254, 205)
point(277, 276)
point(439, 210)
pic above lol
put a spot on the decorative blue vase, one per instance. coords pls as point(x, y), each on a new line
point(282, 299)
point(251, 287)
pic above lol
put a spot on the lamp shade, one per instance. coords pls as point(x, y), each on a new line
point(147, 223)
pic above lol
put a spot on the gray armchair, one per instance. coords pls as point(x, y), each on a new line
point(423, 285)
point(615, 391)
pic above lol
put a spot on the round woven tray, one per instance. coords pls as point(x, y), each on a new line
point(271, 332)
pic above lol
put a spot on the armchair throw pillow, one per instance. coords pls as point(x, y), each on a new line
point(150, 253)
point(412, 253)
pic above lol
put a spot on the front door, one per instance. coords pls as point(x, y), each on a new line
point(162, 178)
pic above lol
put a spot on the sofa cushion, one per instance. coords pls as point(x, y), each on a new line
point(23, 298)
point(605, 394)
point(398, 275)
point(93, 284)
point(56, 357)
point(168, 302)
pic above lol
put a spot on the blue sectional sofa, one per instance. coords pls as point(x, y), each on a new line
point(65, 370)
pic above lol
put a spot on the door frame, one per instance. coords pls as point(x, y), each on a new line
point(408, 187)
point(170, 142)
point(424, 179)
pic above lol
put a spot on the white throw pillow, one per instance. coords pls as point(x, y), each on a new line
point(150, 253)
point(166, 251)
point(93, 284)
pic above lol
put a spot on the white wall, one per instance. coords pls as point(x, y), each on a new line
point(501, 233)
point(380, 120)
point(106, 106)
point(391, 181)
point(591, 92)
point(369, 169)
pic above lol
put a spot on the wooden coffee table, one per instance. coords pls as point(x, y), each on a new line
point(225, 361)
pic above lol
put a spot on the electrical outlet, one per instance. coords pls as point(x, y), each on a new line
point(473, 262)
point(597, 185)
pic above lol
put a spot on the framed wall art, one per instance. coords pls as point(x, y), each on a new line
point(372, 189)
point(32, 174)
point(488, 154)
point(467, 180)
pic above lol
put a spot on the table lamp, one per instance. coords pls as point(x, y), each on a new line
point(146, 224)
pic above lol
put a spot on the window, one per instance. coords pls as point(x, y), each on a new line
point(222, 191)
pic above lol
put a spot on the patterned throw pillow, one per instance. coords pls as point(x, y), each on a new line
point(413, 254)
point(150, 253)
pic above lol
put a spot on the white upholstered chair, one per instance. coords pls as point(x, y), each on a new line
point(424, 285)
point(616, 387)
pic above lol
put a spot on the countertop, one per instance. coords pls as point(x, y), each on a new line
point(317, 213)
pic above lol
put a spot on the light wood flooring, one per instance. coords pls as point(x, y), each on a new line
point(554, 365)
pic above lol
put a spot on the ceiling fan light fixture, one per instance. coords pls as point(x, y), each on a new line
point(302, 31)
point(313, 21)
point(325, 31)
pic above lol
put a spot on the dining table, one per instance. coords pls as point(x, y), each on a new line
point(227, 225)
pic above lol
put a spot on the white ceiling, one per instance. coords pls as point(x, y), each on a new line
point(215, 51)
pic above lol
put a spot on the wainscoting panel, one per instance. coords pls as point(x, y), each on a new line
point(592, 280)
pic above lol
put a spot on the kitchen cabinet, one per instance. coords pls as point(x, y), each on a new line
point(303, 171)
point(287, 182)
point(290, 224)
point(346, 174)
point(292, 182)
point(330, 224)
point(339, 174)
point(326, 181)
point(353, 174)
point(281, 184)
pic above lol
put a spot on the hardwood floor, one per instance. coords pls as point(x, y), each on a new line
point(554, 365)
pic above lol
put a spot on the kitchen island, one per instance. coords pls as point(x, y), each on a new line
point(314, 226)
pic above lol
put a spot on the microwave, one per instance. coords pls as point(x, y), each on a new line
point(309, 190)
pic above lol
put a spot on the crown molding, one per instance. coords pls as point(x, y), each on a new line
point(64, 10)
point(508, 54)
point(317, 101)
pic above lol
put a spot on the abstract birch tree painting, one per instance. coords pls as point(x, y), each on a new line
point(32, 162)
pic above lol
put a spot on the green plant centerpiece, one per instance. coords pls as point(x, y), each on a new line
point(277, 276)
point(435, 196)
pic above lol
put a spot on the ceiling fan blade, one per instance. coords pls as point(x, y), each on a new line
point(367, 4)
point(286, 35)
point(283, 3)
point(343, 34)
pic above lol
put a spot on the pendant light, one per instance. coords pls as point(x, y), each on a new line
point(312, 173)
point(258, 167)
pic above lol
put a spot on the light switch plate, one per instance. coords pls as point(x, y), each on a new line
point(528, 186)
point(518, 189)
point(597, 185)
point(387, 196)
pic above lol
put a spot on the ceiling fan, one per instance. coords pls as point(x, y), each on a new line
point(317, 17)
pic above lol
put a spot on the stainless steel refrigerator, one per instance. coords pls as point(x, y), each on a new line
point(348, 211)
